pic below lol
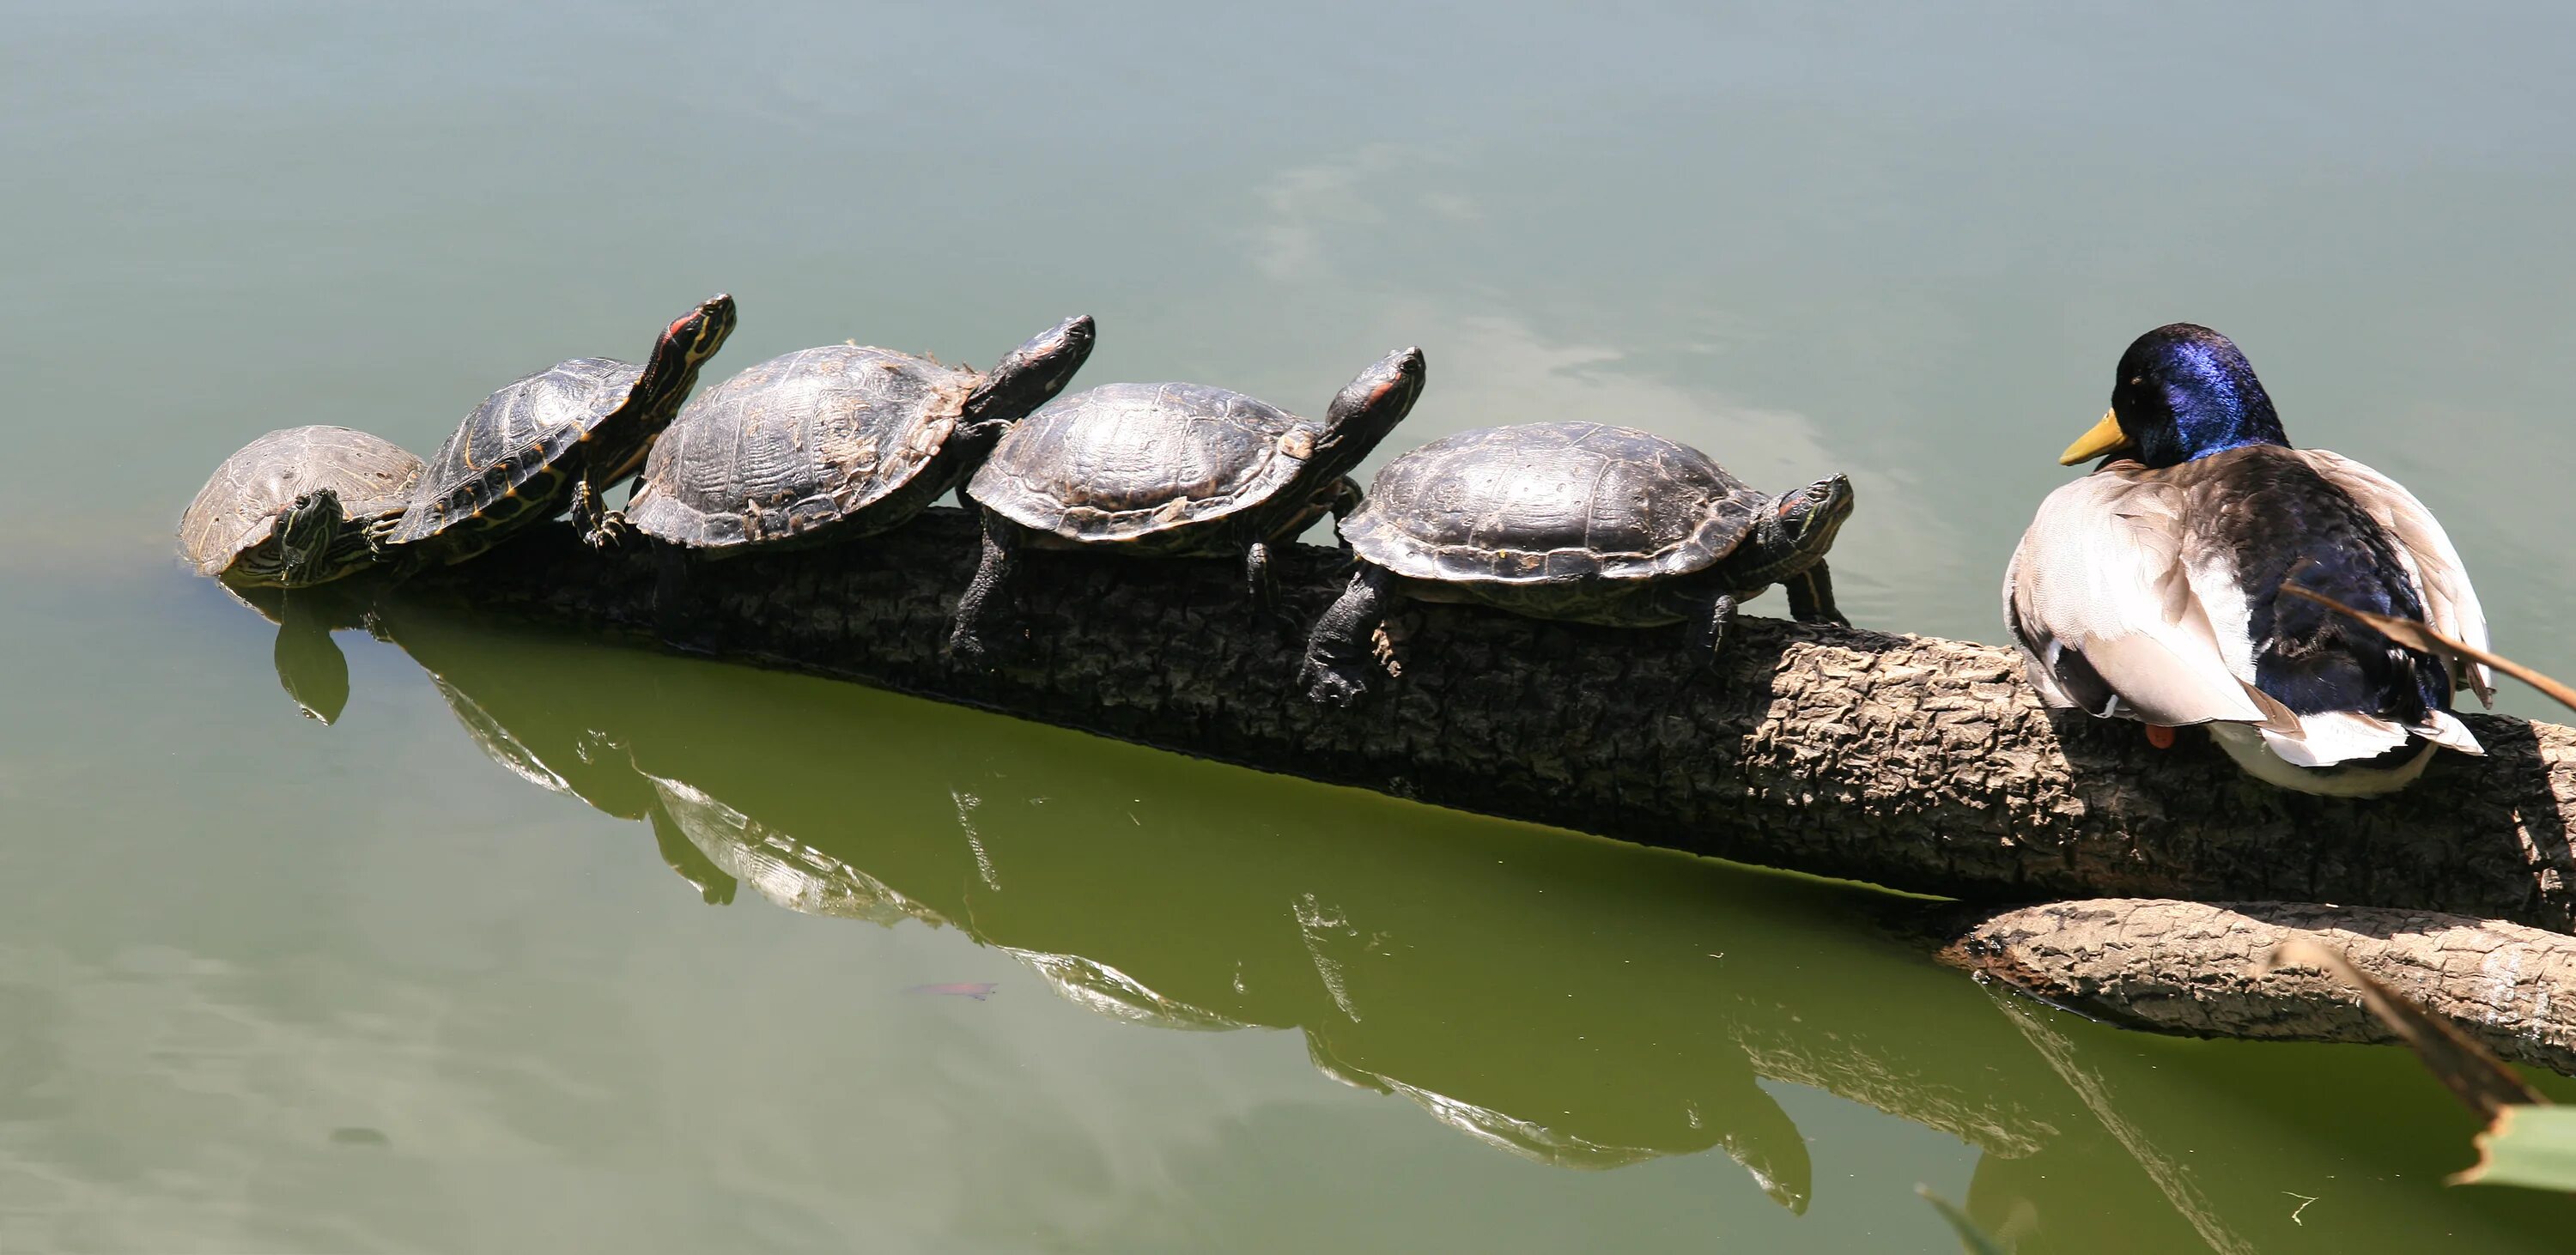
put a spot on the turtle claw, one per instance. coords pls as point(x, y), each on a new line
point(1332, 686)
point(611, 531)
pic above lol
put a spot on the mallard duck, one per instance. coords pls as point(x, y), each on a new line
point(2150, 589)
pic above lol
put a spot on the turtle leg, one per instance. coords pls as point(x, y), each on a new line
point(1708, 635)
point(1259, 583)
point(1811, 597)
point(992, 577)
point(1256, 578)
point(600, 526)
point(1339, 658)
point(984, 435)
point(1346, 498)
point(380, 536)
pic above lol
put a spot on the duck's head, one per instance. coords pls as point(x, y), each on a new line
point(2183, 392)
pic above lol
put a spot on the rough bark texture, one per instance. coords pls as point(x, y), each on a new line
point(2193, 968)
point(1911, 762)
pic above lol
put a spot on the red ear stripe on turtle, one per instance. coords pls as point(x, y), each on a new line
point(1401, 370)
point(696, 321)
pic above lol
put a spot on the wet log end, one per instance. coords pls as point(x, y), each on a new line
point(2194, 968)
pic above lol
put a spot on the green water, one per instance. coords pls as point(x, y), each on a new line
point(427, 979)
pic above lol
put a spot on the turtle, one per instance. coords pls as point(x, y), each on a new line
point(1577, 521)
point(563, 435)
point(1173, 470)
point(837, 442)
point(292, 508)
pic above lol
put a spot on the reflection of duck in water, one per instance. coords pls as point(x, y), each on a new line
point(1407, 969)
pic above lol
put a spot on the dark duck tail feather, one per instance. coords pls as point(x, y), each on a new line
point(2266, 508)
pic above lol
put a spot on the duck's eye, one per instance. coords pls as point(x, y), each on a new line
point(2136, 380)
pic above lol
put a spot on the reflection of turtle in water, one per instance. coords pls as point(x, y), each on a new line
point(1573, 521)
point(714, 884)
point(292, 508)
point(310, 666)
point(1103, 990)
point(1637, 1044)
point(794, 875)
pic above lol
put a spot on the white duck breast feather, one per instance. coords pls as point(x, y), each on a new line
point(2129, 598)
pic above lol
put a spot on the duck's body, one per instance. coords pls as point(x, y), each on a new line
point(2150, 589)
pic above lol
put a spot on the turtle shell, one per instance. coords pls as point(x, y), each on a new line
point(504, 463)
point(228, 529)
point(800, 443)
point(1127, 460)
point(1551, 503)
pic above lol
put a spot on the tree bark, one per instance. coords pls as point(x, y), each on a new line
point(1911, 762)
point(2193, 968)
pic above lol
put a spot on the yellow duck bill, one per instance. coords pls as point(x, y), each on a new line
point(2105, 437)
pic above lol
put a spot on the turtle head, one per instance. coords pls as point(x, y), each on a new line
point(306, 530)
point(1032, 374)
point(1799, 527)
point(1367, 409)
point(695, 336)
point(672, 370)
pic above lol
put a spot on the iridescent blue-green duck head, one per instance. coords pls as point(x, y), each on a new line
point(2183, 392)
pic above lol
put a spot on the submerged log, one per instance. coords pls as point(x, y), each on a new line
point(1911, 762)
point(2195, 969)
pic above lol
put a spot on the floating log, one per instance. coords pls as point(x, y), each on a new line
point(1910, 762)
point(2194, 969)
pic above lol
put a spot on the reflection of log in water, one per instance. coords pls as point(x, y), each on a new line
point(1568, 1007)
point(1406, 972)
point(1911, 762)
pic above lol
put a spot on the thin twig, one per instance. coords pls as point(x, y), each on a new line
point(2416, 636)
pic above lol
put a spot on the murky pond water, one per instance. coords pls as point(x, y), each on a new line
point(553, 946)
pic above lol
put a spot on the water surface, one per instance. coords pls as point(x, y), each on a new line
point(547, 945)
